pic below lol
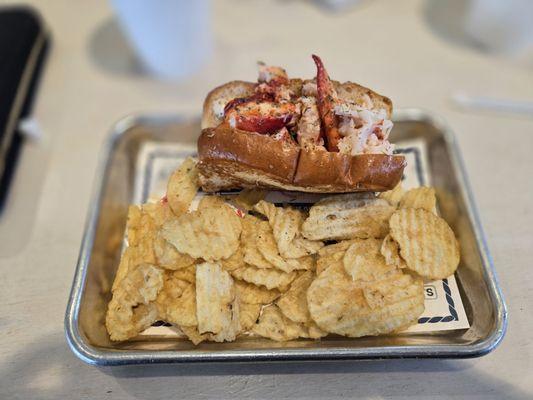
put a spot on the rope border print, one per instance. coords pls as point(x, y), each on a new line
point(451, 306)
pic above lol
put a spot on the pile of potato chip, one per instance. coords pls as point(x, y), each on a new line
point(352, 265)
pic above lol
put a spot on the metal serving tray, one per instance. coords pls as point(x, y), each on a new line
point(100, 253)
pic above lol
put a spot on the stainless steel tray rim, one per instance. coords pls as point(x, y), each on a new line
point(94, 356)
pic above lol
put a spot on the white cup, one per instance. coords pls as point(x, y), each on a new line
point(171, 37)
point(504, 27)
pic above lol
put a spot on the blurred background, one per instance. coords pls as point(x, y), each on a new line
point(468, 61)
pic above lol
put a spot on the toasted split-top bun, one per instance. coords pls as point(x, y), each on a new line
point(233, 159)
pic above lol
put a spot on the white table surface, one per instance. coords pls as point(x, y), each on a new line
point(383, 44)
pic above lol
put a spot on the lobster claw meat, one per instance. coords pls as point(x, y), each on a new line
point(326, 100)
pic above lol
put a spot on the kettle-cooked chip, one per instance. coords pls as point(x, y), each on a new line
point(215, 295)
point(193, 335)
point(421, 197)
point(338, 305)
point(140, 286)
point(286, 224)
point(252, 230)
point(182, 186)
point(230, 331)
point(391, 251)
point(176, 302)
point(248, 315)
point(347, 217)
point(313, 331)
point(325, 262)
point(364, 262)
point(134, 225)
point(427, 243)
point(243, 318)
point(266, 245)
point(274, 325)
point(271, 278)
point(125, 322)
point(160, 212)
point(211, 233)
point(141, 230)
point(293, 303)
point(393, 196)
point(235, 261)
point(248, 198)
point(211, 201)
point(331, 254)
point(127, 263)
point(168, 257)
point(187, 274)
point(252, 294)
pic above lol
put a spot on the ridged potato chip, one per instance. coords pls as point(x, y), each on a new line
point(211, 233)
point(215, 295)
point(252, 294)
point(182, 186)
point(141, 230)
point(427, 243)
point(286, 223)
point(248, 198)
point(338, 305)
point(293, 303)
point(391, 251)
point(393, 196)
point(143, 235)
point(160, 212)
point(193, 335)
point(139, 287)
point(168, 257)
point(313, 331)
point(230, 331)
point(270, 278)
point(331, 254)
point(421, 197)
point(235, 261)
point(364, 263)
point(252, 229)
point(187, 274)
point(176, 302)
point(248, 315)
point(211, 201)
point(266, 245)
point(124, 322)
point(347, 217)
point(127, 262)
point(274, 325)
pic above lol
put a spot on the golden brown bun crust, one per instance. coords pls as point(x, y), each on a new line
point(223, 94)
point(232, 151)
point(233, 159)
point(345, 173)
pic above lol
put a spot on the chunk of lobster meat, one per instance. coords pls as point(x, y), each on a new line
point(283, 135)
point(308, 132)
point(270, 74)
point(261, 117)
point(274, 82)
point(326, 100)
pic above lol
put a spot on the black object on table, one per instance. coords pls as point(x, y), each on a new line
point(24, 43)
